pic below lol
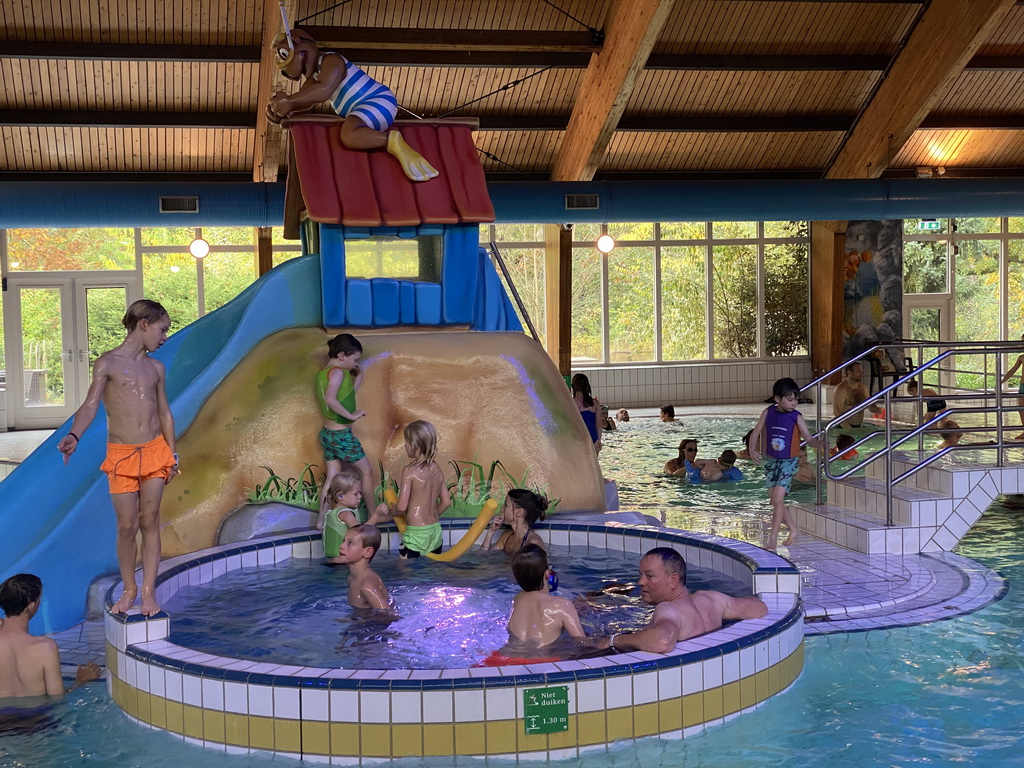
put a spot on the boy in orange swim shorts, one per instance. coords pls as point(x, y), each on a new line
point(140, 449)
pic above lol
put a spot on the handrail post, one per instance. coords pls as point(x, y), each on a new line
point(820, 456)
point(888, 456)
point(1000, 448)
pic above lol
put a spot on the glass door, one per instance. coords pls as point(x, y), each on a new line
point(41, 384)
point(56, 328)
point(928, 318)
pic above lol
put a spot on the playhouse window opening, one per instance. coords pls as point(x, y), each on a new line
point(403, 258)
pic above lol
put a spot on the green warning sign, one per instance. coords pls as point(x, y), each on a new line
point(546, 710)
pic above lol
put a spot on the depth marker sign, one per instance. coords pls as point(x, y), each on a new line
point(546, 710)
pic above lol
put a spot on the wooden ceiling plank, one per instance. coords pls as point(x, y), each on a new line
point(943, 41)
point(633, 28)
point(453, 39)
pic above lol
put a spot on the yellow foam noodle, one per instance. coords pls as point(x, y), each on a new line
point(468, 539)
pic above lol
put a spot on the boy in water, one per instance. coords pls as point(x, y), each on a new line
point(932, 406)
point(140, 449)
point(365, 588)
point(538, 618)
point(783, 426)
point(723, 469)
point(30, 665)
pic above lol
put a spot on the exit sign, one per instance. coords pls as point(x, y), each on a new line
point(929, 225)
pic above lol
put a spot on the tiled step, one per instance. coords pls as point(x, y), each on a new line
point(936, 477)
point(910, 506)
point(859, 532)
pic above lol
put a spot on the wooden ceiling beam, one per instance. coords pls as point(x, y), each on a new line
point(69, 118)
point(20, 49)
point(165, 177)
point(345, 38)
point(946, 36)
point(269, 153)
point(633, 28)
point(678, 123)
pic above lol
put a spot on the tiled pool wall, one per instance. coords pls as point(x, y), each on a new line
point(692, 383)
point(349, 716)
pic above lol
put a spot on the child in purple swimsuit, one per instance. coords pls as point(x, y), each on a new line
point(782, 426)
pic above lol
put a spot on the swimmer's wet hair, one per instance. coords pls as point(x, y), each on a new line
point(672, 561)
point(368, 535)
point(533, 504)
point(581, 386)
point(422, 436)
point(343, 344)
point(18, 591)
point(143, 309)
point(843, 442)
point(669, 410)
point(529, 565)
point(784, 387)
point(347, 478)
point(728, 457)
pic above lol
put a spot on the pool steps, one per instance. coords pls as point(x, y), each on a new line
point(932, 511)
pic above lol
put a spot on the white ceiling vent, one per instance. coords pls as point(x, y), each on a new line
point(179, 205)
point(582, 202)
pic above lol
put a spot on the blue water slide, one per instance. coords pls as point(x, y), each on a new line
point(58, 521)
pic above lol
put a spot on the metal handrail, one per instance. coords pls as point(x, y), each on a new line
point(887, 395)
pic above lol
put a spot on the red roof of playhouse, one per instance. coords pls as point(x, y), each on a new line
point(369, 189)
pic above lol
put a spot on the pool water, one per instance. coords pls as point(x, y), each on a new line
point(634, 455)
point(452, 614)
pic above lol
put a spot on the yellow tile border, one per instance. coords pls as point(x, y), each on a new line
point(494, 737)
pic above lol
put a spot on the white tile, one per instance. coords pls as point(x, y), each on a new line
point(619, 691)
point(670, 683)
point(213, 694)
point(645, 687)
point(261, 700)
point(315, 704)
point(406, 707)
point(500, 703)
point(345, 706)
point(192, 690)
point(236, 698)
point(469, 706)
point(590, 695)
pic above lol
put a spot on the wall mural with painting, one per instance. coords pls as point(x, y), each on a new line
point(873, 288)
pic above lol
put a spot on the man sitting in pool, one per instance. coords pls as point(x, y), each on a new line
point(365, 587)
point(30, 665)
point(678, 614)
point(538, 617)
point(851, 392)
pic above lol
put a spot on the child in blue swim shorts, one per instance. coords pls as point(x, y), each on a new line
point(782, 426)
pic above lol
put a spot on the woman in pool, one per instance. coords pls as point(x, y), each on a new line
point(687, 453)
point(590, 407)
point(522, 510)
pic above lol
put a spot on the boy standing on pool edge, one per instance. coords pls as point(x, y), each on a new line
point(140, 443)
point(783, 426)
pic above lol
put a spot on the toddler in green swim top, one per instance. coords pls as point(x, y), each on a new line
point(423, 495)
point(343, 496)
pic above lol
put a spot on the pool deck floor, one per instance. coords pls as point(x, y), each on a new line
point(842, 590)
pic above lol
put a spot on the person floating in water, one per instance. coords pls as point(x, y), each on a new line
point(933, 406)
point(423, 495)
point(687, 455)
point(783, 426)
point(369, 107)
point(140, 449)
point(343, 500)
point(721, 470)
point(589, 407)
point(667, 413)
point(336, 386)
point(538, 618)
point(521, 512)
point(30, 665)
point(622, 415)
point(844, 448)
point(678, 614)
point(365, 587)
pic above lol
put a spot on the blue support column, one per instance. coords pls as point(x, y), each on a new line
point(332, 274)
point(459, 273)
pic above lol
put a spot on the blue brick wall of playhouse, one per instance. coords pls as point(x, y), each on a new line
point(470, 292)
